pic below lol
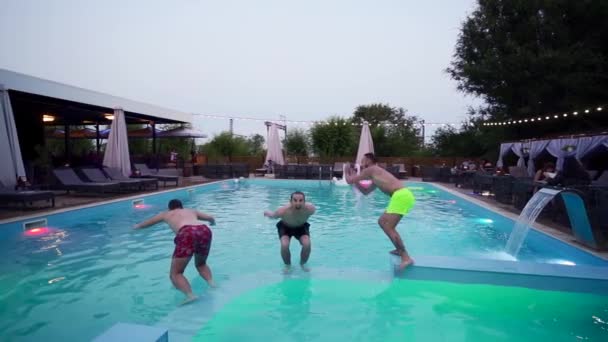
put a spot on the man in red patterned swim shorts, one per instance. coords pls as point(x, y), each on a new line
point(191, 238)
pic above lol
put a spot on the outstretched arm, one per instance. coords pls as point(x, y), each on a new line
point(311, 208)
point(276, 214)
point(352, 177)
point(205, 217)
point(151, 221)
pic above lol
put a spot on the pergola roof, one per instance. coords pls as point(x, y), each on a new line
point(77, 106)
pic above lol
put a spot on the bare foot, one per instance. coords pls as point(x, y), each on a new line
point(305, 268)
point(212, 284)
point(191, 298)
point(395, 252)
point(287, 269)
point(405, 262)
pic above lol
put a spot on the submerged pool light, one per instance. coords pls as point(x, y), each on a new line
point(485, 220)
point(139, 204)
point(37, 231)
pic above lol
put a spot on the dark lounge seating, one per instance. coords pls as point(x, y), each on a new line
point(24, 197)
point(69, 181)
point(116, 175)
point(97, 176)
point(145, 172)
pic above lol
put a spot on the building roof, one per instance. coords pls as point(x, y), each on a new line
point(79, 101)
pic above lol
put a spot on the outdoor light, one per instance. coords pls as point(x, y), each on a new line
point(569, 148)
point(599, 109)
point(547, 117)
point(575, 113)
point(526, 120)
point(519, 121)
point(555, 116)
point(565, 114)
point(48, 118)
point(539, 118)
point(586, 110)
point(532, 120)
point(109, 116)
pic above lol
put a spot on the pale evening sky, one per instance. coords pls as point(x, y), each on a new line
point(306, 60)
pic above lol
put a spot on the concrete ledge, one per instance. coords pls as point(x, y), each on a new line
point(133, 333)
point(586, 279)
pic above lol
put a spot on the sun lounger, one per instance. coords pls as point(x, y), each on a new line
point(8, 195)
point(145, 172)
point(69, 180)
point(116, 175)
point(97, 176)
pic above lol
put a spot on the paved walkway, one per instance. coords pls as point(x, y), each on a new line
point(63, 200)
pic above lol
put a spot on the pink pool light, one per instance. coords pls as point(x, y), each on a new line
point(38, 231)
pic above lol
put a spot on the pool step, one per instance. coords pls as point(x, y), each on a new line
point(133, 333)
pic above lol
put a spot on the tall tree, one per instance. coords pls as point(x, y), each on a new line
point(333, 138)
point(225, 144)
point(256, 144)
point(532, 57)
point(296, 142)
point(394, 133)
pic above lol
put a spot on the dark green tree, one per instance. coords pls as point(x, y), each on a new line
point(529, 58)
point(255, 144)
point(226, 145)
point(296, 142)
point(333, 138)
point(394, 133)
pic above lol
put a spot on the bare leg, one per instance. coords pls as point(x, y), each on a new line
point(203, 269)
point(305, 253)
point(178, 265)
point(285, 254)
point(388, 223)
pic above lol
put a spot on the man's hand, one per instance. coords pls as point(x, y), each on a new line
point(268, 213)
point(212, 221)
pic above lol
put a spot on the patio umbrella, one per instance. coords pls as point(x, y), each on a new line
point(117, 148)
point(366, 144)
point(12, 166)
point(274, 152)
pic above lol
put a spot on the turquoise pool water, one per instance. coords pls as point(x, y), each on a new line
point(93, 269)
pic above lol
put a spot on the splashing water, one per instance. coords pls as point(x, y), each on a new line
point(527, 218)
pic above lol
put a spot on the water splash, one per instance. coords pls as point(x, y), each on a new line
point(527, 217)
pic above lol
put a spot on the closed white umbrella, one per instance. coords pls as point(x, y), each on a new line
point(117, 148)
point(12, 163)
point(275, 152)
point(366, 144)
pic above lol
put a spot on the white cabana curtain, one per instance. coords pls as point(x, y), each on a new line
point(366, 143)
point(517, 149)
point(557, 149)
point(12, 162)
point(274, 152)
point(117, 148)
point(536, 148)
point(588, 144)
point(504, 149)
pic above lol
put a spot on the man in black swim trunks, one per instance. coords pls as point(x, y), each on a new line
point(294, 222)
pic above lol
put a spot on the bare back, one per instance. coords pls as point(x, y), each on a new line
point(383, 179)
point(178, 218)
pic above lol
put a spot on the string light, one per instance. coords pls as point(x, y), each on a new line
point(548, 117)
point(305, 122)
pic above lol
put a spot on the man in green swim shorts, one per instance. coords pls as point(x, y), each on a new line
point(401, 202)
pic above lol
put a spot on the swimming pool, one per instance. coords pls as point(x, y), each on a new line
point(92, 268)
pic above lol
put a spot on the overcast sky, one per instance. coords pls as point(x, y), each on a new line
point(306, 60)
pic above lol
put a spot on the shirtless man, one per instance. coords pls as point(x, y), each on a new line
point(191, 237)
point(402, 200)
point(294, 217)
